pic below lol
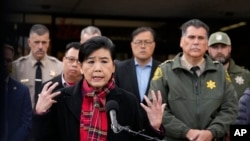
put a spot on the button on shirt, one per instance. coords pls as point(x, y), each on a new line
point(143, 74)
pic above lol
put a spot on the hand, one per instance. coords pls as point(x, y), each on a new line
point(205, 135)
point(193, 134)
point(154, 109)
point(45, 98)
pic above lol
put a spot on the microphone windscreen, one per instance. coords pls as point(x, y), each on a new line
point(112, 105)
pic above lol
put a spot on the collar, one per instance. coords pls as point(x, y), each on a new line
point(65, 84)
point(209, 64)
point(33, 60)
point(187, 65)
point(233, 68)
point(149, 64)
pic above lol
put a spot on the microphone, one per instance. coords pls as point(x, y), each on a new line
point(112, 107)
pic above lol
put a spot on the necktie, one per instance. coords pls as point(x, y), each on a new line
point(38, 79)
point(194, 70)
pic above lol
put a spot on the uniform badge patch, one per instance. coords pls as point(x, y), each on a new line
point(52, 73)
point(211, 84)
point(157, 74)
point(239, 80)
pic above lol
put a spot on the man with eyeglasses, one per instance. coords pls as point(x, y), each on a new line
point(37, 67)
point(71, 74)
point(141, 66)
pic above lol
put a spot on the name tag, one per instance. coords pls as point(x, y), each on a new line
point(24, 80)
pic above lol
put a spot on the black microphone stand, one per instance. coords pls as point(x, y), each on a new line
point(125, 128)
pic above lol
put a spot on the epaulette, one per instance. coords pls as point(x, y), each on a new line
point(167, 61)
point(53, 58)
point(22, 58)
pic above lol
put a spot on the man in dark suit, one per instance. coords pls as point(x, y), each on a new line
point(17, 113)
point(134, 74)
point(71, 74)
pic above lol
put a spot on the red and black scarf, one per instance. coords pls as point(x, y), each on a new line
point(93, 120)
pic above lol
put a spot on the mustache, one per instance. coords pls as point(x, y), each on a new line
point(220, 55)
point(40, 50)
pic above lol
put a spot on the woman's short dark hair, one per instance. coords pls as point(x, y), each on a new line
point(94, 44)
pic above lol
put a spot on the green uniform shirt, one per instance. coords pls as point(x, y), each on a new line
point(209, 102)
point(240, 77)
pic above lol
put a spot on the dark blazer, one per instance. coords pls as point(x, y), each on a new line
point(19, 111)
point(125, 76)
point(243, 117)
point(43, 129)
point(58, 79)
point(65, 115)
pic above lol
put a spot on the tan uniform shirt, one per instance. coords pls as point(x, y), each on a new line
point(24, 71)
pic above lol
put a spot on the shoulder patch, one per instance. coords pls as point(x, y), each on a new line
point(53, 58)
point(23, 58)
point(157, 73)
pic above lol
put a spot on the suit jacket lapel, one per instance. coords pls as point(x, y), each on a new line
point(73, 99)
point(154, 66)
point(133, 78)
point(59, 80)
point(114, 95)
point(10, 89)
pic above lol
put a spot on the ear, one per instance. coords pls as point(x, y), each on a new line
point(208, 49)
point(81, 70)
point(49, 44)
point(207, 46)
point(181, 42)
point(230, 49)
point(29, 42)
point(131, 44)
point(114, 66)
point(63, 59)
